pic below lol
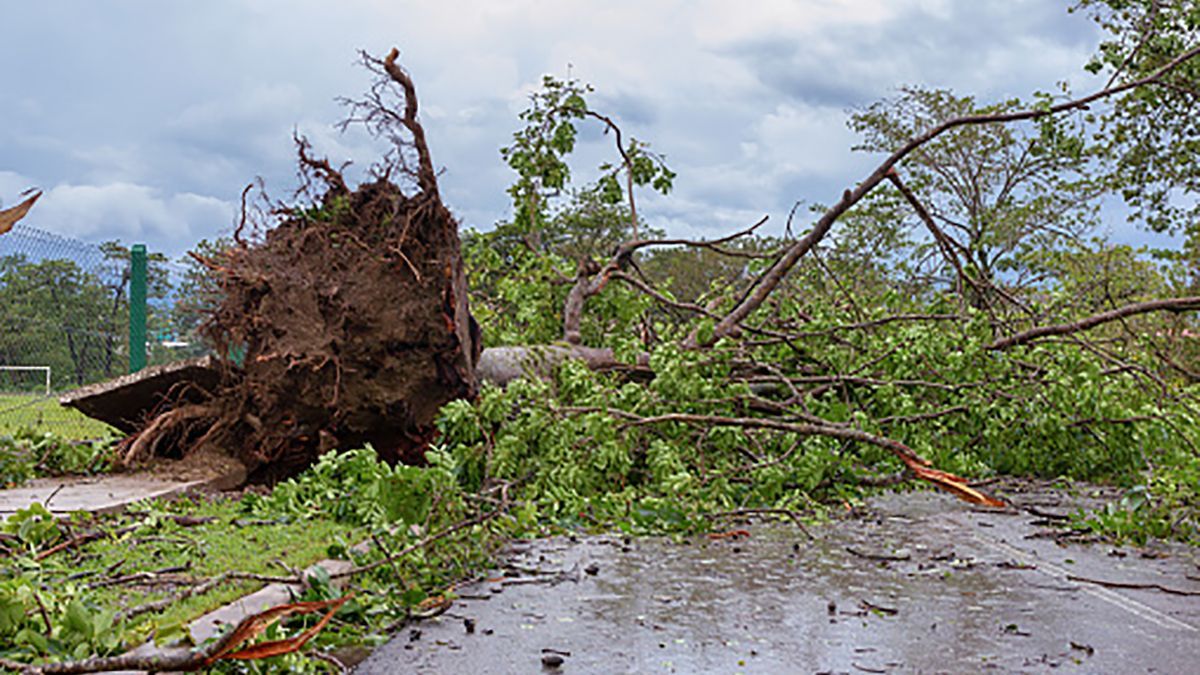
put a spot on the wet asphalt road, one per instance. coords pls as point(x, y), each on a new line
point(964, 591)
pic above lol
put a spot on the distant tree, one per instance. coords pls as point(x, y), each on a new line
point(694, 274)
point(1151, 137)
point(56, 313)
point(197, 292)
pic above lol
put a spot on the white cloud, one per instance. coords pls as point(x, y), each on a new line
point(12, 184)
point(827, 140)
point(260, 104)
point(133, 213)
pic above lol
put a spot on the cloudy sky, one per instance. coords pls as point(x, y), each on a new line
point(143, 120)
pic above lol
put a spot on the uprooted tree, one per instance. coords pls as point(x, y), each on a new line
point(348, 321)
point(346, 324)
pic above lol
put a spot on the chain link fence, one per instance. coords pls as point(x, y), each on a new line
point(65, 309)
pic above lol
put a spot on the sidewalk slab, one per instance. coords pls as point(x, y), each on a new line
point(106, 493)
point(127, 401)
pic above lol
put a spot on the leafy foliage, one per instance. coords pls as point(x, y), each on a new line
point(1150, 138)
point(28, 454)
point(1004, 191)
point(355, 488)
point(880, 340)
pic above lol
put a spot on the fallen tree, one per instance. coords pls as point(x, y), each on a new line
point(348, 322)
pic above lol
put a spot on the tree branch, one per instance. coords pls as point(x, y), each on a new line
point(1167, 305)
point(426, 178)
point(609, 124)
point(592, 279)
point(917, 465)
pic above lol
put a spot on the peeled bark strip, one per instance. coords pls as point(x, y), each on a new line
point(10, 216)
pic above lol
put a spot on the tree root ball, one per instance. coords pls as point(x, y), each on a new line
point(348, 324)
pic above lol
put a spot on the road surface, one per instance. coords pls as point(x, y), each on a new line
point(915, 583)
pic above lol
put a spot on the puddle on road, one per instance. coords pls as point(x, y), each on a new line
point(964, 598)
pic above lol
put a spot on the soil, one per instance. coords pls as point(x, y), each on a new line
point(203, 464)
point(355, 330)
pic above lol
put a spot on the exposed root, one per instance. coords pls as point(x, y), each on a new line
point(167, 429)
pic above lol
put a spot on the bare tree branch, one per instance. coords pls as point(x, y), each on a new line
point(426, 177)
point(609, 124)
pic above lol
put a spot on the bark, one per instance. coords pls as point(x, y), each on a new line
point(501, 365)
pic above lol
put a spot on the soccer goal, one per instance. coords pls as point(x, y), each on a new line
point(22, 389)
point(25, 381)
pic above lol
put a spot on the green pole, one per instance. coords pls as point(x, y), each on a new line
point(137, 308)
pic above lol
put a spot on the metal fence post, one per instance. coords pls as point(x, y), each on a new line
point(137, 307)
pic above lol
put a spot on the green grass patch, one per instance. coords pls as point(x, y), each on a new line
point(210, 549)
point(39, 413)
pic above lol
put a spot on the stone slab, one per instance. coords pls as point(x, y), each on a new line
point(125, 402)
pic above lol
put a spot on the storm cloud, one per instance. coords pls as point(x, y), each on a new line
point(144, 120)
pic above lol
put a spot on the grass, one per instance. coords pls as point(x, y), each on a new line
point(37, 412)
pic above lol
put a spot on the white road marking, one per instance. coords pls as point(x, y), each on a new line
point(1130, 605)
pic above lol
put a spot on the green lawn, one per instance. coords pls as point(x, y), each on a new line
point(40, 413)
